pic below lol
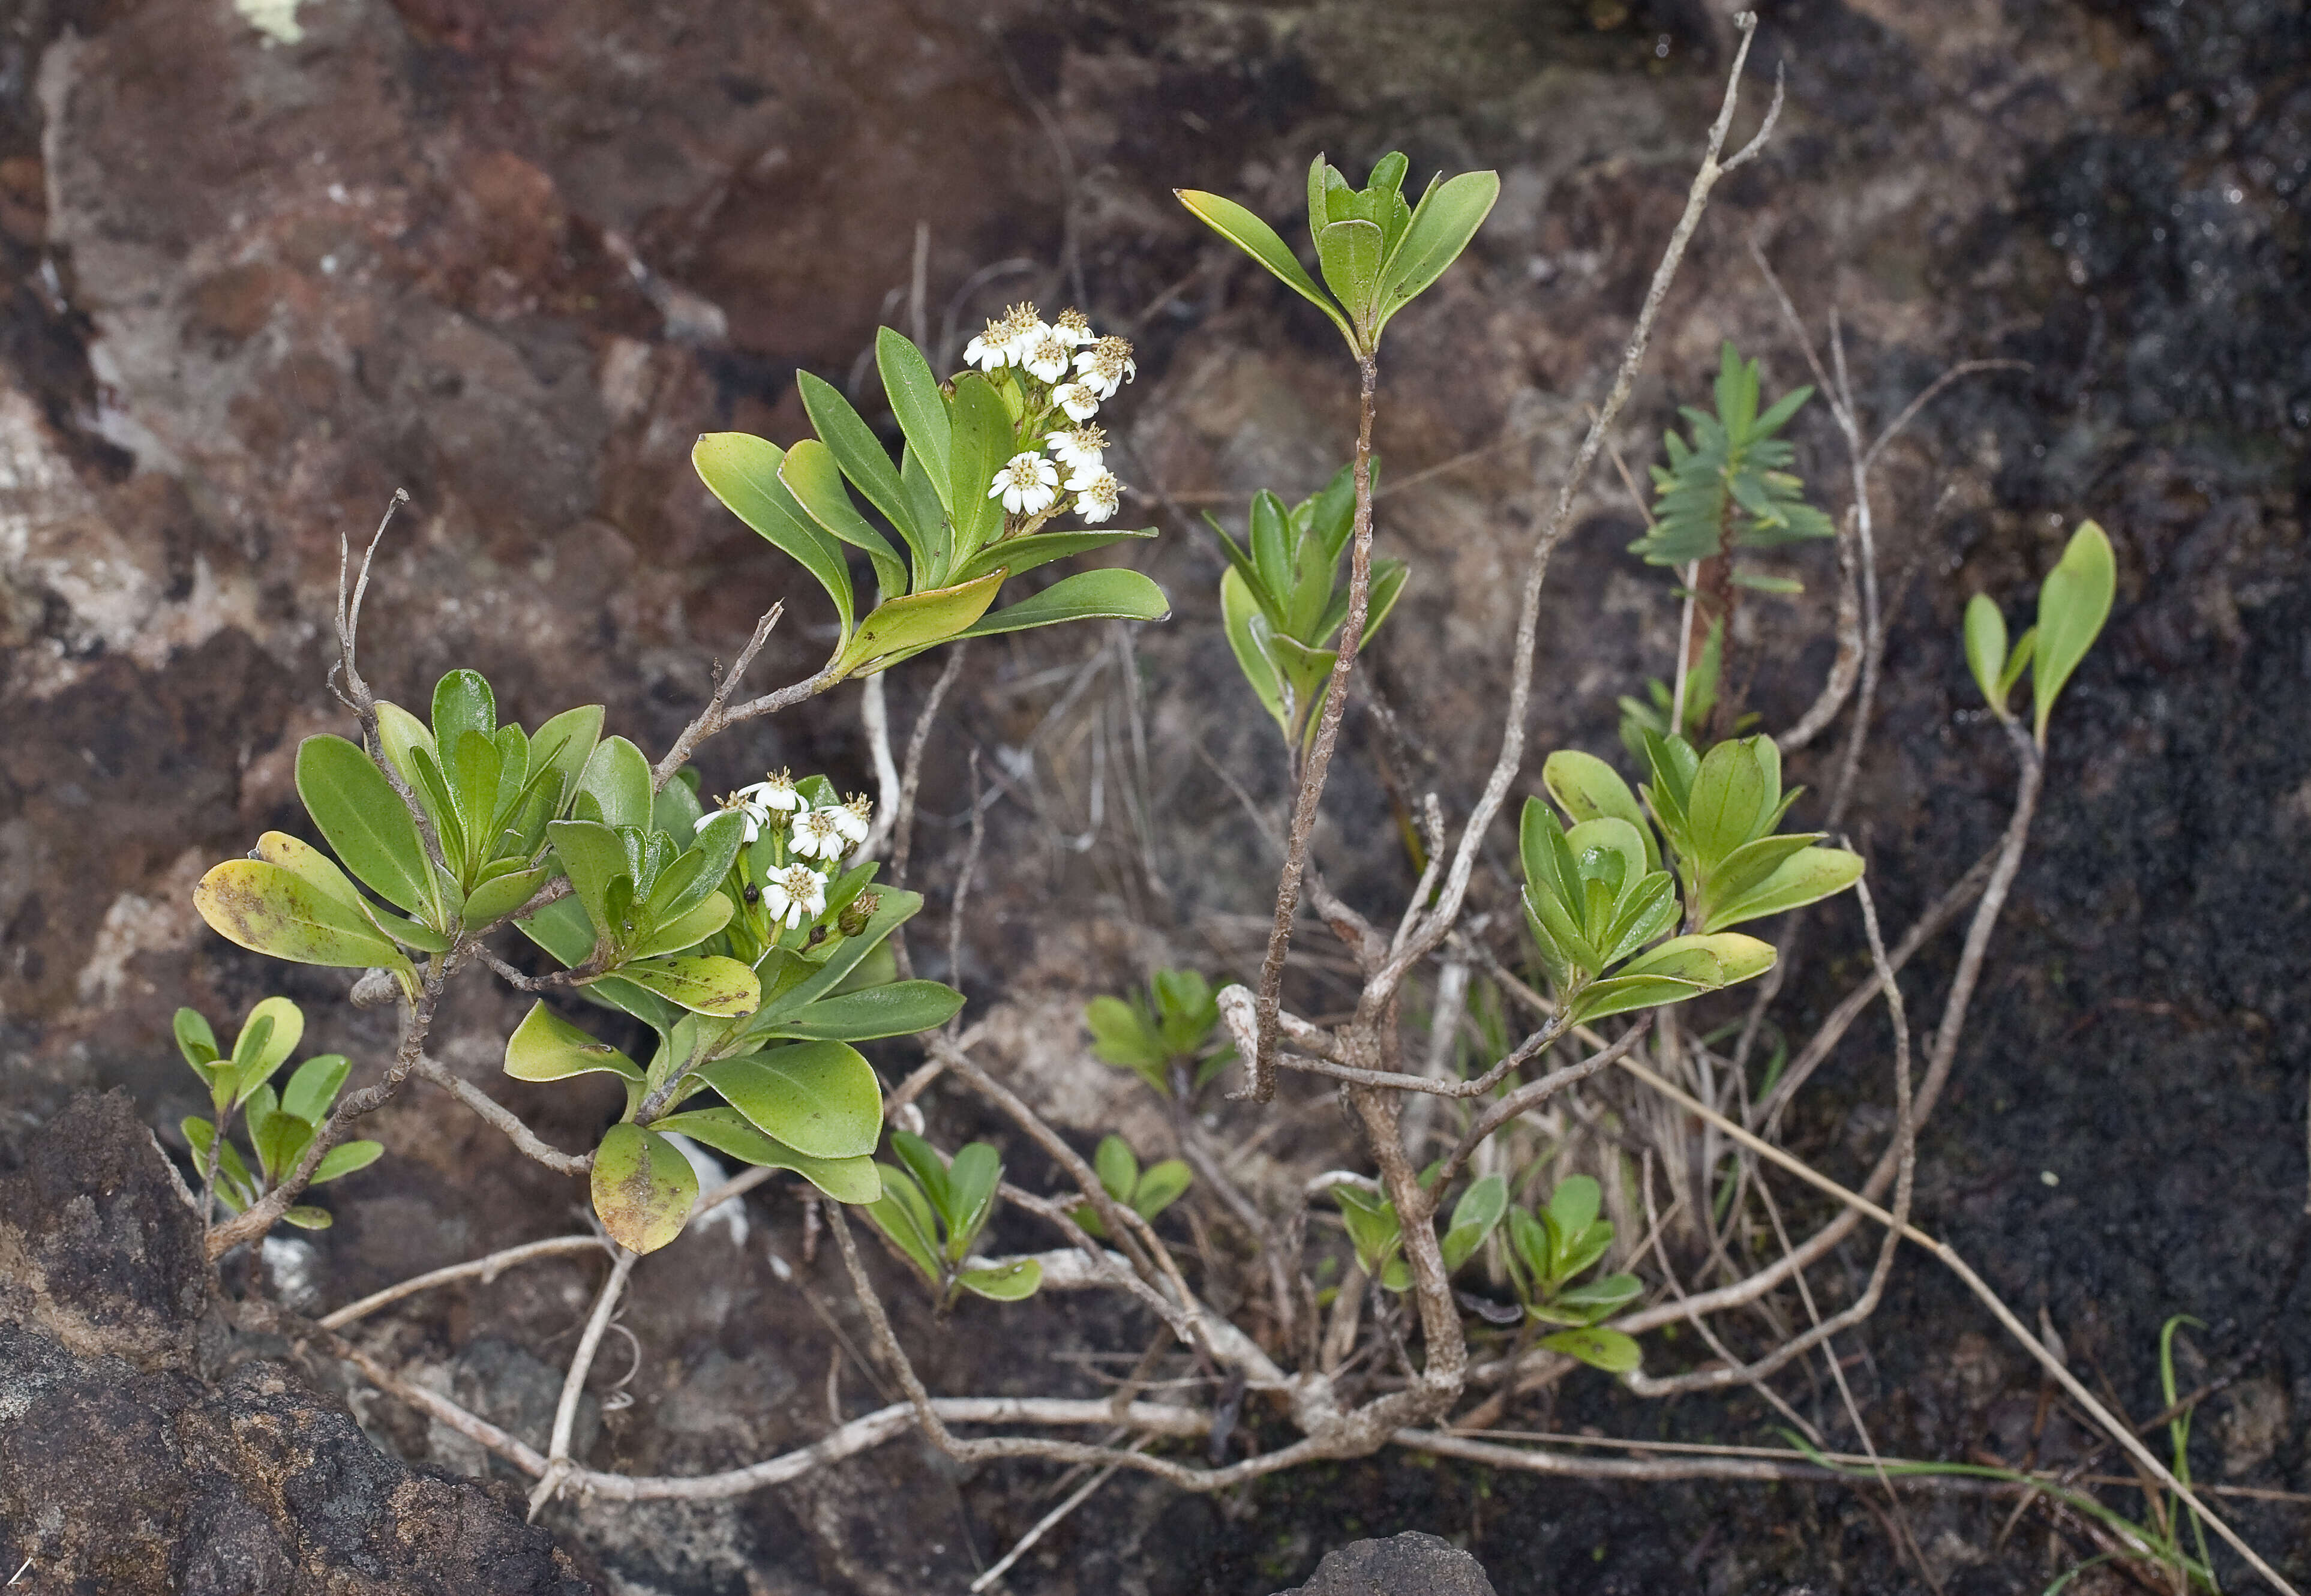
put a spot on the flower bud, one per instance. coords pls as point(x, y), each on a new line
point(856, 913)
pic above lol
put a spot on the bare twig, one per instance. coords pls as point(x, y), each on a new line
point(720, 715)
point(903, 817)
point(486, 1269)
point(573, 1384)
point(528, 1141)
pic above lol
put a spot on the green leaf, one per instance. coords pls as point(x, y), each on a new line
point(1348, 252)
point(1442, 224)
point(916, 401)
point(1117, 1167)
point(365, 820)
point(1605, 1349)
point(1256, 239)
point(896, 909)
point(1007, 1283)
point(1110, 593)
point(2073, 606)
point(899, 1008)
point(267, 1037)
point(2016, 662)
point(983, 441)
point(1804, 878)
point(1250, 635)
point(1019, 555)
point(566, 742)
point(345, 1158)
point(927, 1167)
point(462, 703)
point(918, 621)
point(902, 1215)
point(742, 472)
point(546, 1047)
point(474, 769)
point(493, 900)
point(617, 778)
point(1721, 814)
point(818, 1097)
point(199, 1134)
point(1621, 994)
point(1586, 1304)
point(1160, 1186)
point(972, 1179)
point(195, 1040)
point(593, 856)
point(726, 1130)
point(643, 1187)
point(398, 734)
point(279, 1139)
point(813, 477)
point(1479, 1209)
point(1985, 648)
point(314, 1086)
point(707, 985)
point(305, 1217)
point(685, 930)
point(269, 910)
point(861, 454)
point(1588, 789)
point(319, 871)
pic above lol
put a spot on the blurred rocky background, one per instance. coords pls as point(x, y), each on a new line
point(264, 261)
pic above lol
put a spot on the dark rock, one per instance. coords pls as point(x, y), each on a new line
point(1408, 1564)
point(129, 1464)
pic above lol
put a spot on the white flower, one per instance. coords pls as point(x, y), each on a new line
point(851, 818)
point(819, 834)
point(795, 895)
point(1106, 366)
point(1046, 357)
point(775, 791)
point(999, 345)
point(741, 802)
point(1077, 399)
point(1078, 448)
point(1071, 328)
point(1097, 494)
point(1027, 485)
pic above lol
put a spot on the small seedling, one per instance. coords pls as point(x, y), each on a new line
point(1548, 1251)
point(2073, 604)
point(1164, 1036)
point(1145, 1192)
point(280, 1125)
point(933, 1211)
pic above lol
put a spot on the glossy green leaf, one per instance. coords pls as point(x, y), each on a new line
point(1736, 958)
point(813, 477)
point(366, 823)
point(546, 1047)
point(267, 1037)
point(927, 1167)
point(462, 703)
point(902, 1215)
point(1479, 1209)
point(1586, 1304)
point(926, 501)
point(1250, 635)
point(895, 910)
point(475, 767)
point(593, 855)
point(1256, 239)
point(1348, 253)
point(1005, 1283)
point(973, 1176)
point(742, 472)
point(726, 1130)
point(278, 1139)
point(915, 399)
point(1721, 814)
point(983, 441)
point(493, 900)
point(345, 1158)
point(2072, 606)
point(269, 910)
point(305, 1217)
point(2016, 662)
point(399, 733)
point(196, 1039)
point(861, 454)
point(1624, 994)
point(1804, 878)
point(1605, 1349)
point(1111, 593)
point(919, 621)
point(707, 985)
point(900, 1008)
point(1441, 225)
point(314, 1086)
point(200, 1135)
point(1588, 789)
point(1985, 648)
point(1740, 871)
point(1019, 555)
point(818, 1097)
point(617, 778)
point(685, 930)
point(320, 872)
point(643, 1187)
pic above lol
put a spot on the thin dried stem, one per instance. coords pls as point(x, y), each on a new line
point(720, 715)
point(573, 1384)
point(527, 1142)
point(484, 1270)
point(902, 818)
point(1533, 1094)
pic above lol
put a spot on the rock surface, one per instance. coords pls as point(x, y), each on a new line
point(1408, 1564)
point(142, 1450)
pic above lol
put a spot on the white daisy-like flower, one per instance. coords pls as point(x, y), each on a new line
point(738, 803)
point(1027, 485)
point(819, 834)
point(1071, 326)
point(776, 792)
point(1077, 447)
point(1097, 494)
point(1106, 366)
point(999, 345)
point(1046, 358)
point(1078, 400)
point(795, 895)
point(852, 818)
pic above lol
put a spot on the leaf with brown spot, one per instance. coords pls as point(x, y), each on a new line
point(271, 909)
point(643, 1189)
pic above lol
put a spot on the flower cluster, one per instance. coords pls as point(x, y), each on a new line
point(810, 841)
point(1065, 371)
